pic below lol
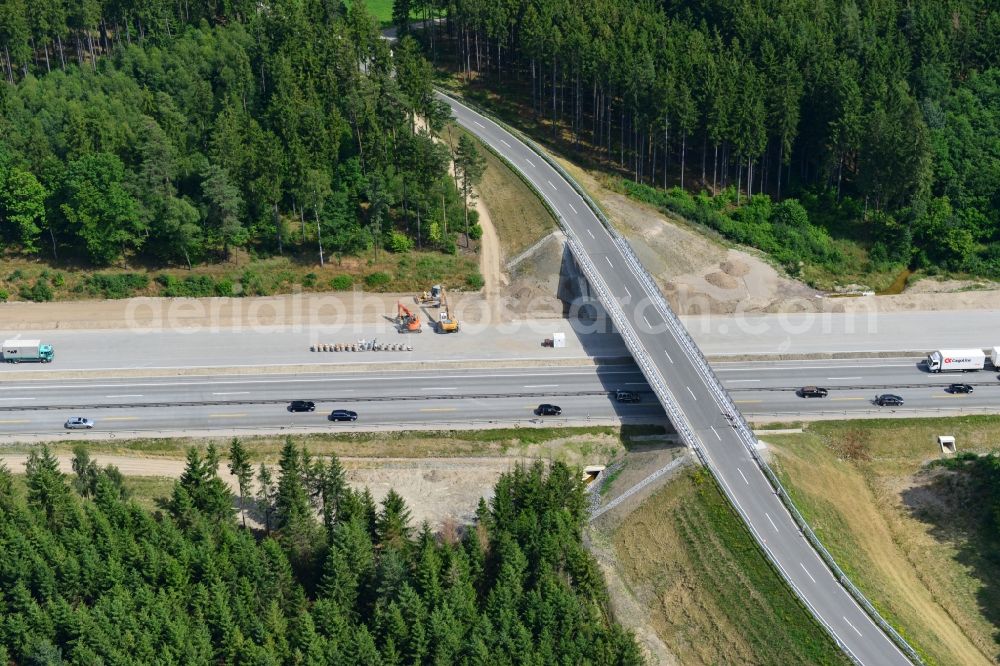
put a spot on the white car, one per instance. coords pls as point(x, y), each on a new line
point(78, 422)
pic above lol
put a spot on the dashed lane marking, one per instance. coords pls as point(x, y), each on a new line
point(771, 521)
point(807, 572)
point(851, 625)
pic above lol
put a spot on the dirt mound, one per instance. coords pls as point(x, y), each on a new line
point(721, 280)
point(734, 267)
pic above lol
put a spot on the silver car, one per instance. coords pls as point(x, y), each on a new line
point(77, 423)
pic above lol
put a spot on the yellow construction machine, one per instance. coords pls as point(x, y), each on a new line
point(446, 321)
point(430, 298)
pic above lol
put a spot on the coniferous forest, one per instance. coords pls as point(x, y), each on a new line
point(329, 577)
point(880, 118)
point(178, 133)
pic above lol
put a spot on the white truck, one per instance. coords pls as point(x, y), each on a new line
point(995, 357)
point(27, 351)
point(956, 360)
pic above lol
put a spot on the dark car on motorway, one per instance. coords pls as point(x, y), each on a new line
point(546, 409)
point(960, 388)
point(813, 392)
point(627, 396)
point(888, 400)
point(343, 415)
point(302, 406)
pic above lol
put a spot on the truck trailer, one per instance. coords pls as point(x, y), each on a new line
point(956, 360)
point(27, 351)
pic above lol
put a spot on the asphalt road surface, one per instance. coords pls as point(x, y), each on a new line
point(716, 335)
point(732, 464)
point(381, 399)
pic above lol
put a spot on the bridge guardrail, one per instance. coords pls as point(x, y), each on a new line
point(740, 425)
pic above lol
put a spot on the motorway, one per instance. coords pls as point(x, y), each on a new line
point(388, 397)
point(381, 399)
point(666, 356)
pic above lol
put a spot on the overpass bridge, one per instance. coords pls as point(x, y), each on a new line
point(697, 404)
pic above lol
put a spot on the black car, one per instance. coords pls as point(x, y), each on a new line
point(302, 406)
point(813, 392)
point(343, 415)
point(626, 396)
point(888, 400)
point(960, 388)
point(546, 409)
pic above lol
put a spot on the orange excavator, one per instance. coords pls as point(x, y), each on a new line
point(406, 321)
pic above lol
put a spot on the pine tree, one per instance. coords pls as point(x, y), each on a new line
point(242, 469)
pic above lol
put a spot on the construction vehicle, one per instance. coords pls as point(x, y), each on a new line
point(430, 298)
point(446, 322)
point(406, 321)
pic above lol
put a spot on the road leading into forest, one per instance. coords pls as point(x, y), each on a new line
point(692, 396)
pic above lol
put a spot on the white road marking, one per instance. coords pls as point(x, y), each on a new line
point(851, 625)
point(668, 358)
point(532, 164)
point(120, 418)
point(591, 234)
point(736, 381)
point(573, 209)
point(438, 388)
point(439, 409)
point(16, 398)
point(743, 475)
point(609, 261)
point(505, 143)
point(773, 367)
point(720, 439)
point(125, 395)
point(627, 291)
point(691, 392)
point(395, 378)
point(829, 378)
point(479, 124)
point(224, 416)
point(233, 393)
point(646, 319)
point(541, 385)
point(771, 521)
point(551, 185)
point(807, 572)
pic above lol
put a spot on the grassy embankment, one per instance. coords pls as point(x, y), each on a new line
point(520, 217)
point(709, 593)
point(908, 536)
point(34, 281)
point(549, 443)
